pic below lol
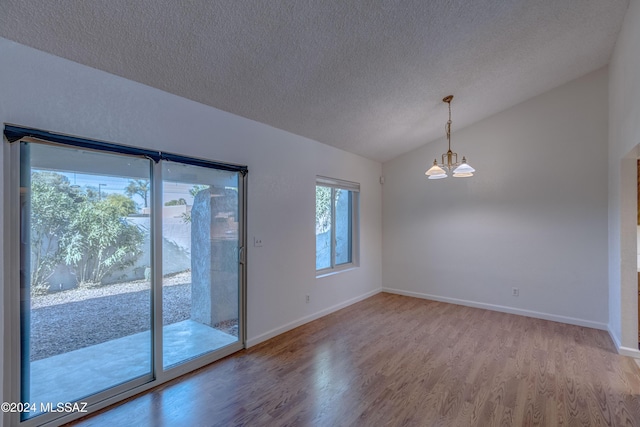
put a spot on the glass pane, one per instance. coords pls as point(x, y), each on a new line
point(86, 299)
point(200, 283)
point(343, 226)
point(323, 227)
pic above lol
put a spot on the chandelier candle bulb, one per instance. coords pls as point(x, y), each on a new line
point(451, 164)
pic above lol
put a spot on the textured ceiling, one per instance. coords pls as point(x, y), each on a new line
point(365, 76)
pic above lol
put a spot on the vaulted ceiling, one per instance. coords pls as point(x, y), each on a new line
point(364, 76)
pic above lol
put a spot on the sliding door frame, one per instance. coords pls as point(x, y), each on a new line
point(11, 291)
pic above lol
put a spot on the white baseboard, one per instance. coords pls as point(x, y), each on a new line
point(614, 338)
point(625, 351)
point(503, 309)
point(628, 351)
point(291, 325)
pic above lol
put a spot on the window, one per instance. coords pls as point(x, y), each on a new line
point(336, 224)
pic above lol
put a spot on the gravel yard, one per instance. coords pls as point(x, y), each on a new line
point(77, 318)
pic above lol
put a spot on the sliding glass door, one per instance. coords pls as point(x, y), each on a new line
point(200, 247)
point(128, 271)
point(85, 314)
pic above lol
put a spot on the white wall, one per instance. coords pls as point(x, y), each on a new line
point(533, 217)
point(624, 136)
point(42, 91)
point(638, 247)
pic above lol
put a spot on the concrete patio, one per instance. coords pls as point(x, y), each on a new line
point(80, 373)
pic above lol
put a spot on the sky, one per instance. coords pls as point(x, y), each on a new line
point(116, 185)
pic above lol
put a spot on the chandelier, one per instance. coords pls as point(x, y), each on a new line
point(449, 159)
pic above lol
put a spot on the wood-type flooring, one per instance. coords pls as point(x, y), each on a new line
point(392, 360)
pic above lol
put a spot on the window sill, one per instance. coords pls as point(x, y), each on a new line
point(325, 273)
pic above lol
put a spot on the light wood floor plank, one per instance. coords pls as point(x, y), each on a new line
point(394, 360)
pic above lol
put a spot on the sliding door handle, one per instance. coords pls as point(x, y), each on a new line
point(241, 255)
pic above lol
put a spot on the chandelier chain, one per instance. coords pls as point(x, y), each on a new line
point(448, 125)
point(450, 161)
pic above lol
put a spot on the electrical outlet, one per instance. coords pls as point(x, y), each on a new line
point(257, 242)
point(515, 292)
point(308, 299)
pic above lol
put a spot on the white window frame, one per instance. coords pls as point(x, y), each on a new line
point(354, 188)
